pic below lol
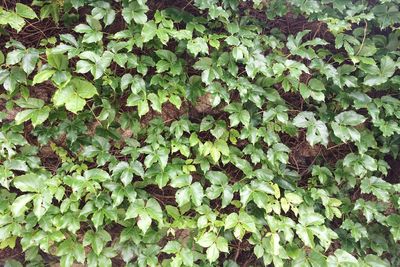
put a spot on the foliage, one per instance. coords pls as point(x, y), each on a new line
point(118, 163)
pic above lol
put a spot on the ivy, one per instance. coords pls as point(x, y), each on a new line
point(199, 133)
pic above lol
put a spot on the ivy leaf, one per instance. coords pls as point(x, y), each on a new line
point(222, 244)
point(61, 96)
point(393, 220)
point(68, 97)
point(305, 235)
point(373, 260)
point(197, 45)
point(42, 76)
point(197, 194)
point(238, 115)
point(144, 222)
point(18, 207)
point(153, 208)
point(39, 116)
point(231, 220)
point(380, 76)
point(29, 61)
point(57, 60)
point(29, 183)
point(97, 240)
point(345, 258)
point(377, 186)
point(212, 253)
point(75, 103)
point(83, 66)
point(136, 10)
point(216, 177)
point(14, 56)
point(207, 239)
point(350, 118)
point(23, 116)
point(227, 196)
point(13, 19)
point(182, 196)
point(143, 107)
point(317, 132)
point(149, 31)
point(25, 11)
point(84, 88)
point(357, 230)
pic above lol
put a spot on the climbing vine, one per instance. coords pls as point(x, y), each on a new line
point(199, 133)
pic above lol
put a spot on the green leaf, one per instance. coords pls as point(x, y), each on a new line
point(57, 60)
point(350, 118)
point(216, 177)
point(29, 182)
point(153, 209)
point(42, 76)
point(97, 175)
point(377, 186)
point(12, 263)
point(207, 239)
point(39, 116)
point(92, 37)
point(75, 103)
point(375, 261)
point(380, 76)
point(83, 66)
point(62, 95)
point(345, 258)
point(231, 220)
point(215, 153)
point(317, 132)
point(18, 207)
point(212, 253)
point(222, 244)
point(23, 116)
point(197, 45)
point(144, 222)
point(15, 21)
point(182, 196)
point(247, 222)
point(84, 88)
point(222, 147)
point(197, 193)
point(149, 30)
point(143, 108)
point(97, 240)
point(25, 11)
point(136, 11)
point(29, 61)
point(14, 57)
point(305, 235)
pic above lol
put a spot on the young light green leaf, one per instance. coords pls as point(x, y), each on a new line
point(25, 11)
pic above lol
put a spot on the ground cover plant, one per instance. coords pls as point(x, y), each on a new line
point(199, 133)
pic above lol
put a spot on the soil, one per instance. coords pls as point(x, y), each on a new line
point(393, 176)
point(15, 254)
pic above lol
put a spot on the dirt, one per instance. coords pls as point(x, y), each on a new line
point(393, 176)
point(12, 113)
point(166, 195)
point(43, 91)
point(49, 158)
point(9, 254)
point(203, 104)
